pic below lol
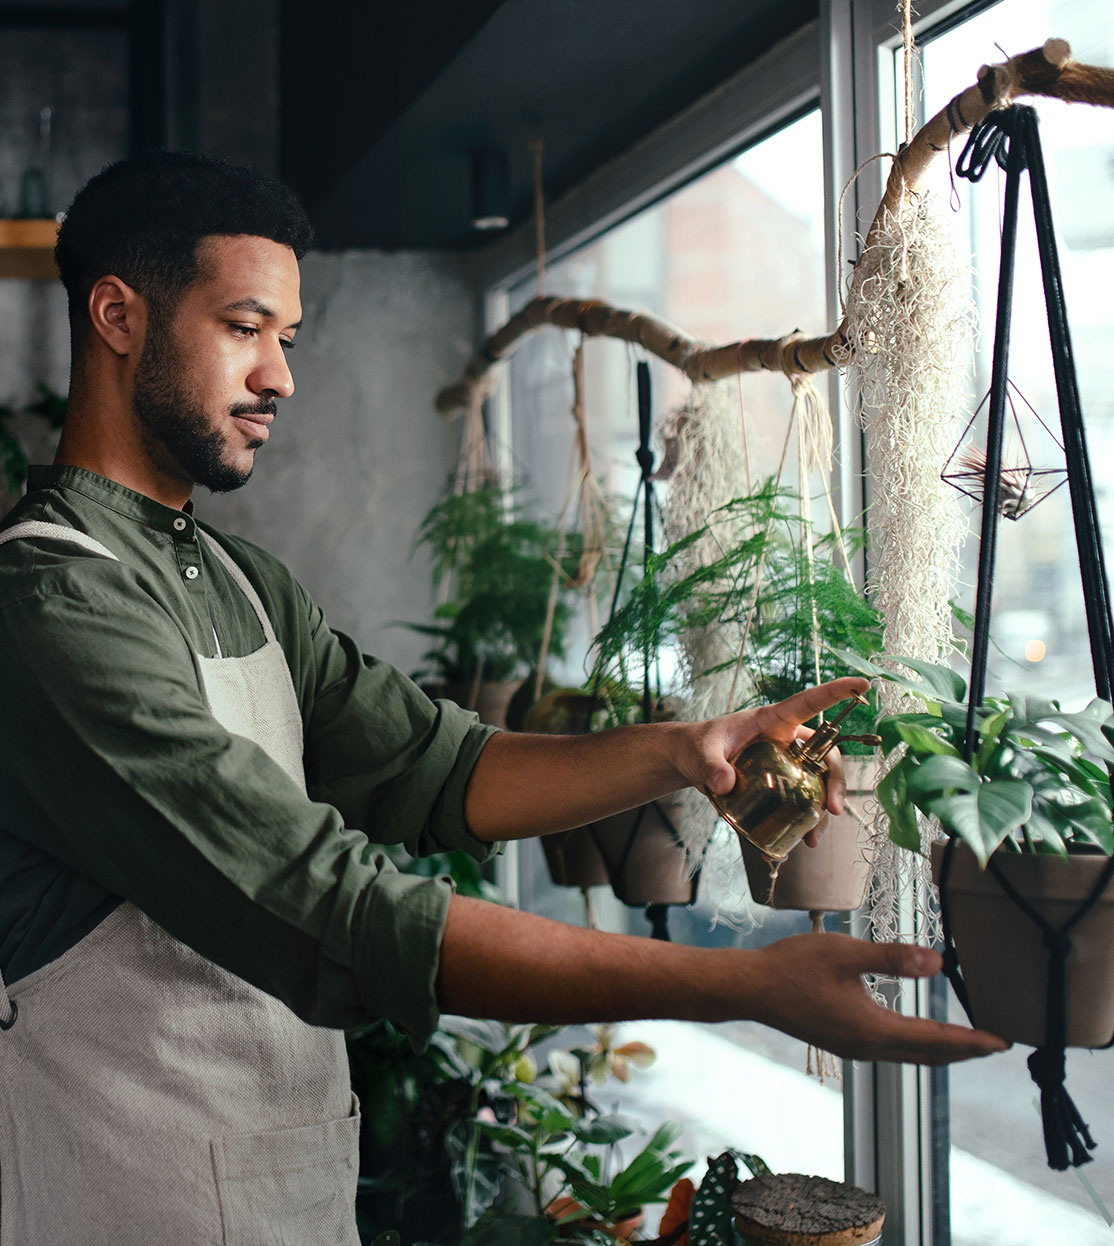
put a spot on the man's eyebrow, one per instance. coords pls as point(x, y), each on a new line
point(260, 309)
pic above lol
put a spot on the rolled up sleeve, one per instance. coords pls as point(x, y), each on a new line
point(115, 768)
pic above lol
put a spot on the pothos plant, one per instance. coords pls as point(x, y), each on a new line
point(1038, 778)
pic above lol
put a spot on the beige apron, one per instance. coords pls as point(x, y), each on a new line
point(148, 1096)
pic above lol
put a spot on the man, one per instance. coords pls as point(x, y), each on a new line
point(195, 773)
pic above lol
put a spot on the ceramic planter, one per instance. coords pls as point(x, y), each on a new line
point(1002, 956)
point(831, 877)
point(635, 852)
point(574, 860)
point(620, 1230)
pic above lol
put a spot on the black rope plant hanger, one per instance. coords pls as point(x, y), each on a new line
point(1010, 137)
point(657, 914)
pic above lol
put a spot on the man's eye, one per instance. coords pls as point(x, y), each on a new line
point(245, 330)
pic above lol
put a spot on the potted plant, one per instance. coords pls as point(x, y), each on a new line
point(639, 851)
point(776, 599)
point(499, 561)
point(1031, 806)
point(567, 1185)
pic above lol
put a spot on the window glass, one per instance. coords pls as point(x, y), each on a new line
point(738, 253)
point(1002, 1191)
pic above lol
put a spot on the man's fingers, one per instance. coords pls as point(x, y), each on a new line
point(805, 705)
point(929, 1042)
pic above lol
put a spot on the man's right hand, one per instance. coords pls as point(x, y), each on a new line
point(512, 966)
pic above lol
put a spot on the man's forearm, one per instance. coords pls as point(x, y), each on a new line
point(525, 785)
point(507, 965)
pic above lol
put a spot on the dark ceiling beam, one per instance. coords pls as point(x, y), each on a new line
point(345, 81)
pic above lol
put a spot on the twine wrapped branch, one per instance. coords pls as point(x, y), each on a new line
point(1047, 70)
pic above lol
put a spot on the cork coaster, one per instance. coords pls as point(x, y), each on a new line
point(790, 1209)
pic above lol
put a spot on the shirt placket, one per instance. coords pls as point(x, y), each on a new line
point(191, 568)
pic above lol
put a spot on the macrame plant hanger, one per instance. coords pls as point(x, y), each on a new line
point(1010, 136)
point(656, 914)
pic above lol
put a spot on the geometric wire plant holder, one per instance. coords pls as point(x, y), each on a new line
point(1023, 485)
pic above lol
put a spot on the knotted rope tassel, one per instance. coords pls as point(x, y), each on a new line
point(1067, 1137)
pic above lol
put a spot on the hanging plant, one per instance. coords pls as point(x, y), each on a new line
point(775, 585)
point(498, 560)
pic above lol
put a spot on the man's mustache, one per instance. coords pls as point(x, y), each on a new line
point(259, 408)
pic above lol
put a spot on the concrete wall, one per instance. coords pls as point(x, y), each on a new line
point(358, 455)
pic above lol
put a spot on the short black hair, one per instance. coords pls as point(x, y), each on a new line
point(141, 220)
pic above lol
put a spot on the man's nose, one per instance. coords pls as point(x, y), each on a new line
point(273, 375)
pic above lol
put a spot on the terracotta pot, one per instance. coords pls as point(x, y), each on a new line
point(636, 852)
point(574, 860)
point(645, 862)
point(1001, 953)
point(620, 1230)
point(831, 877)
point(490, 700)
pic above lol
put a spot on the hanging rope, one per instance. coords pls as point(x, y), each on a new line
point(908, 52)
point(593, 517)
point(539, 213)
point(1067, 1137)
point(1047, 70)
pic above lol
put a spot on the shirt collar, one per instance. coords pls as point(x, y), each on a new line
point(108, 493)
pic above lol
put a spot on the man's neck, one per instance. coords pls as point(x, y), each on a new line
point(116, 458)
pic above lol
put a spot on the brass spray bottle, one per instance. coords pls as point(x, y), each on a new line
point(779, 793)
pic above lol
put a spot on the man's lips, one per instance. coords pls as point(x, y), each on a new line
point(254, 423)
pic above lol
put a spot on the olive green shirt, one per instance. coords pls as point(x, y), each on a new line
point(116, 782)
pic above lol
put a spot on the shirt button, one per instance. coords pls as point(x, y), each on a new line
point(179, 524)
point(190, 573)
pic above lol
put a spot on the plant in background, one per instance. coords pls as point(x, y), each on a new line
point(499, 560)
point(48, 406)
point(1038, 780)
point(411, 1099)
point(762, 581)
point(470, 1125)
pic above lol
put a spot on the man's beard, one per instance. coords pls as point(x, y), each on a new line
point(175, 426)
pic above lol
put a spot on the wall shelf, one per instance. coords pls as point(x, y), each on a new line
point(27, 249)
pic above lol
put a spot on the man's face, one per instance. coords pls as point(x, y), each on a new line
point(208, 377)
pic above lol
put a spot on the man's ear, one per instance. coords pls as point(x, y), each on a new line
point(118, 315)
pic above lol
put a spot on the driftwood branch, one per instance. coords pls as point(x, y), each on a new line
point(1047, 71)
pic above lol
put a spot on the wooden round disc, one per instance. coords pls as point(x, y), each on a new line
point(791, 1209)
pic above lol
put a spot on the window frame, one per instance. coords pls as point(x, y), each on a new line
point(895, 1116)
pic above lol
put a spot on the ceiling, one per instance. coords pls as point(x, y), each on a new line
point(379, 113)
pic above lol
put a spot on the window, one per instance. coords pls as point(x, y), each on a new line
point(1001, 1188)
point(992, 1188)
point(737, 252)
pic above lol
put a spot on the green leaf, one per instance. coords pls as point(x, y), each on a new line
point(985, 817)
point(937, 683)
point(989, 732)
point(893, 796)
point(1043, 829)
point(604, 1130)
point(888, 727)
point(924, 739)
point(938, 774)
point(1088, 726)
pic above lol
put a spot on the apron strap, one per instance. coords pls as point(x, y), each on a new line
point(244, 584)
point(58, 532)
point(9, 1009)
